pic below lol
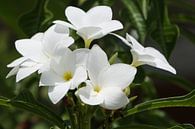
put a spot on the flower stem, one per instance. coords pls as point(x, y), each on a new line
point(87, 43)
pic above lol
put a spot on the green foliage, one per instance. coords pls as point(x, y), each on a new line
point(38, 17)
point(25, 101)
point(181, 101)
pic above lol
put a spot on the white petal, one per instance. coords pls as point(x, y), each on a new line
point(111, 26)
point(38, 36)
point(135, 43)
point(50, 78)
point(31, 49)
point(28, 63)
point(114, 98)
point(64, 62)
point(81, 56)
point(117, 75)
point(80, 76)
point(54, 36)
point(99, 14)
point(13, 72)
point(75, 16)
point(89, 33)
point(122, 39)
point(17, 62)
point(65, 24)
point(25, 72)
point(97, 61)
point(56, 93)
point(88, 97)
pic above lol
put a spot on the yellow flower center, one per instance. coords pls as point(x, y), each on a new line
point(97, 89)
point(67, 76)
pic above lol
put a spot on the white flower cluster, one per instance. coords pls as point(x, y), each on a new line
point(62, 69)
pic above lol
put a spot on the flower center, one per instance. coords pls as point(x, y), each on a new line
point(67, 76)
point(97, 89)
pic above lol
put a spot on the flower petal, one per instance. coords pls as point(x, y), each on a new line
point(56, 93)
point(97, 61)
point(56, 35)
point(99, 14)
point(17, 62)
point(117, 75)
point(25, 72)
point(81, 56)
point(88, 97)
point(135, 43)
point(75, 16)
point(111, 26)
point(13, 72)
point(38, 36)
point(122, 39)
point(64, 61)
point(80, 76)
point(114, 98)
point(31, 49)
point(65, 24)
point(50, 78)
point(89, 33)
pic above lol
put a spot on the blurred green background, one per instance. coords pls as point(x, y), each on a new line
point(168, 25)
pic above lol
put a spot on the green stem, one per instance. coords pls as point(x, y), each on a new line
point(85, 118)
point(87, 43)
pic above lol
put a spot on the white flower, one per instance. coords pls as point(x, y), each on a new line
point(38, 51)
point(64, 74)
point(107, 82)
point(93, 24)
point(146, 55)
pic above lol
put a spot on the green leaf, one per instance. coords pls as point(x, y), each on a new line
point(25, 101)
point(175, 79)
point(113, 58)
point(179, 101)
point(138, 126)
point(183, 126)
point(137, 18)
point(165, 33)
point(37, 19)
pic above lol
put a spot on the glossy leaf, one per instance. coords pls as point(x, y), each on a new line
point(137, 18)
point(179, 101)
point(25, 101)
point(35, 20)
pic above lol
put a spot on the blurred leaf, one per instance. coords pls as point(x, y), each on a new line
point(113, 58)
point(183, 83)
point(37, 19)
point(26, 101)
point(183, 126)
point(165, 33)
point(136, 18)
point(138, 126)
point(179, 101)
point(106, 2)
point(183, 18)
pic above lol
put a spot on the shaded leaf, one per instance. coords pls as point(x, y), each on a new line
point(137, 18)
point(37, 19)
point(25, 101)
point(183, 126)
point(179, 101)
point(138, 126)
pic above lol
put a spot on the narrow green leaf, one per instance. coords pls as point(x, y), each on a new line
point(137, 18)
point(113, 58)
point(25, 101)
point(165, 33)
point(138, 126)
point(179, 101)
point(183, 126)
point(37, 19)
